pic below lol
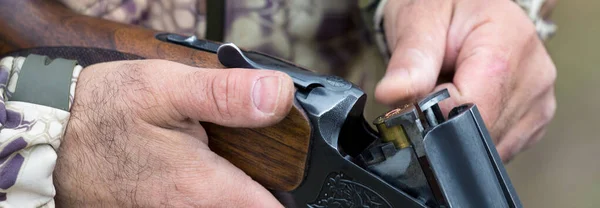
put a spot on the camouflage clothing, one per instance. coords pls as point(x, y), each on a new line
point(328, 36)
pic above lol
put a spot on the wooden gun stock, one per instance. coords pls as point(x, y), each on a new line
point(274, 156)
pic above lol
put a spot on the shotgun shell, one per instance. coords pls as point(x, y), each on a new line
point(394, 134)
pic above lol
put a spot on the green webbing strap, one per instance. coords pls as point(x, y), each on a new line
point(45, 82)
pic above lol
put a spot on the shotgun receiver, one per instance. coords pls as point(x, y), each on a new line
point(324, 153)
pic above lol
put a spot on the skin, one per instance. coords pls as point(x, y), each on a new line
point(134, 138)
point(483, 51)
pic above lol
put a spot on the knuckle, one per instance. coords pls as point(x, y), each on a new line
point(199, 91)
point(219, 92)
point(497, 60)
point(529, 32)
point(222, 95)
point(550, 74)
point(549, 111)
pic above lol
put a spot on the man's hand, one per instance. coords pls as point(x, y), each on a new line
point(490, 53)
point(134, 138)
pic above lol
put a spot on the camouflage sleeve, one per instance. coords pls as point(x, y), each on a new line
point(30, 133)
point(177, 16)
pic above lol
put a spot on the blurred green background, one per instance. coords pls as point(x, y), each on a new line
point(563, 169)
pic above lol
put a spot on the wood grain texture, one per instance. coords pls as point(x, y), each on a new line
point(274, 156)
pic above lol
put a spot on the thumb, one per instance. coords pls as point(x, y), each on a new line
point(227, 97)
point(416, 34)
point(235, 97)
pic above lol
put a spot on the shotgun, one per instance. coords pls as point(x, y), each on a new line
point(324, 153)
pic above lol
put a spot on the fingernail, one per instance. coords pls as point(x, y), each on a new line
point(265, 94)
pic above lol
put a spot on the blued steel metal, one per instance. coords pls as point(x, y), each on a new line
point(449, 163)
